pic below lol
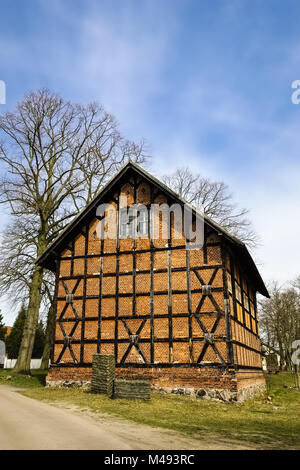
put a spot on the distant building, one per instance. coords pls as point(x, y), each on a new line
point(8, 331)
point(270, 358)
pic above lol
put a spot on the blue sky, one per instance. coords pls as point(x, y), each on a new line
point(207, 83)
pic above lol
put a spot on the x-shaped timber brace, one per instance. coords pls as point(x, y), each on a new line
point(134, 339)
point(209, 339)
point(68, 338)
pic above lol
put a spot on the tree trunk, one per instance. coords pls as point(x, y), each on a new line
point(31, 322)
point(49, 338)
point(32, 317)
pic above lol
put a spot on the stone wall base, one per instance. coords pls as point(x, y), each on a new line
point(206, 383)
point(247, 393)
point(243, 394)
point(216, 394)
point(68, 383)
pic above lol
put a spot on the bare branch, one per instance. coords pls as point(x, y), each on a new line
point(215, 200)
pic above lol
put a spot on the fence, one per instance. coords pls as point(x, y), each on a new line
point(10, 363)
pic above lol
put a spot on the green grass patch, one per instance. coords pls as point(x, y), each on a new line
point(36, 379)
point(269, 424)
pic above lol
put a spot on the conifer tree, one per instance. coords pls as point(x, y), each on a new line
point(3, 330)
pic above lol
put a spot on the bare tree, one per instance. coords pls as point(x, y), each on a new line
point(280, 321)
point(56, 155)
point(296, 285)
point(215, 200)
point(17, 257)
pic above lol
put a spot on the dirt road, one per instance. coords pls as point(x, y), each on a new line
point(30, 424)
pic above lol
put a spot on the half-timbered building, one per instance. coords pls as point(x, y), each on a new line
point(186, 319)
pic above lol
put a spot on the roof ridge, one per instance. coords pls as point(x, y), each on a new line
point(164, 187)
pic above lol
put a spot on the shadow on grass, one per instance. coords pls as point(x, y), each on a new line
point(40, 375)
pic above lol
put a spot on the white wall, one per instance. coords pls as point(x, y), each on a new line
point(10, 363)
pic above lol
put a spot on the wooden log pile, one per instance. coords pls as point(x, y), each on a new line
point(103, 374)
point(103, 380)
point(132, 389)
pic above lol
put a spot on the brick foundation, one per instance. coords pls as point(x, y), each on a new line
point(200, 382)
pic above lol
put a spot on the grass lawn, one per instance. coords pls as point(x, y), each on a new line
point(268, 424)
point(37, 379)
